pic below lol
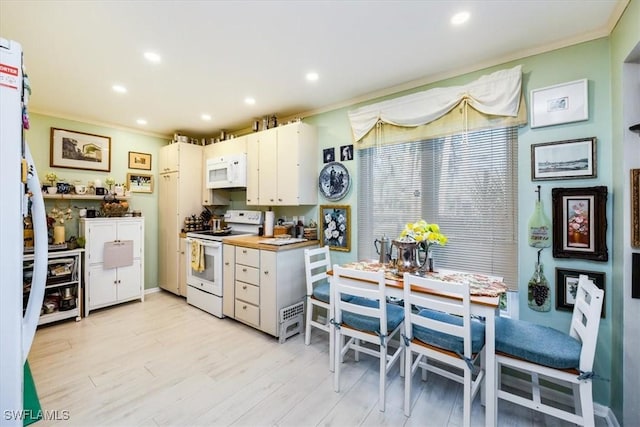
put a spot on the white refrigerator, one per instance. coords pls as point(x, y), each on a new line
point(18, 177)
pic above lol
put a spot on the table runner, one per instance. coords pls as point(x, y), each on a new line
point(479, 284)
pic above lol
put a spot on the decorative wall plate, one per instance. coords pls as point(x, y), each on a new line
point(334, 181)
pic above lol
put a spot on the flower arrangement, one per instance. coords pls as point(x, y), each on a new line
point(423, 232)
point(51, 177)
point(60, 215)
point(335, 228)
point(109, 181)
point(579, 222)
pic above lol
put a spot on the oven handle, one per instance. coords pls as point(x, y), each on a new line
point(207, 243)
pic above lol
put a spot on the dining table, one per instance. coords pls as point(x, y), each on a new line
point(485, 291)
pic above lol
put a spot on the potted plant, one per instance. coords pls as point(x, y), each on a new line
point(52, 178)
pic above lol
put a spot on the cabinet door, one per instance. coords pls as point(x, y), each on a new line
point(228, 280)
point(169, 158)
point(253, 167)
point(102, 286)
point(131, 230)
point(97, 234)
point(288, 166)
point(129, 284)
point(268, 292)
point(267, 148)
point(182, 269)
point(168, 232)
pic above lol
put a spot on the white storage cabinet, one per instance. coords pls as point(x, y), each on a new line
point(109, 286)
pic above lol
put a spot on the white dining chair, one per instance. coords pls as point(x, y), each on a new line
point(546, 353)
point(367, 321)
point(441, 328)
point(317, 262)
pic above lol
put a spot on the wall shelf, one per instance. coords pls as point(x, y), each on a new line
point(79, 197)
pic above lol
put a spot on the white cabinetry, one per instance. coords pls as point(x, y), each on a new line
point(108, 286)
point(282, 166)
point(260, 283)
point(179, 195)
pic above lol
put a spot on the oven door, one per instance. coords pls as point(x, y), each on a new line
point(210, 278)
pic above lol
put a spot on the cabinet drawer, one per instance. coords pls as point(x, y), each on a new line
point(248, 293)
point(247, 313)
point(246, 256)
point(248, 274)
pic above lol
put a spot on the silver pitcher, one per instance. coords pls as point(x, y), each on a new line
point(408, 257)
point(384, 249)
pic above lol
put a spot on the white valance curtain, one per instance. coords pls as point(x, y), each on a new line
point(496, 94)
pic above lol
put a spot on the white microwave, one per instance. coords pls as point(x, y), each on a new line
point(227, 171)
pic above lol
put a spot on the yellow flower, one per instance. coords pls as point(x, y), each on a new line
point(422, 231)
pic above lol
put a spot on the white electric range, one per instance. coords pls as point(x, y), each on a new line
point(204, 259)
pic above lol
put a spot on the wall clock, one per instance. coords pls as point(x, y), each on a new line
point(334, 181)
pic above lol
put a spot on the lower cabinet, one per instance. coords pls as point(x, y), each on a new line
point(258, 283)
point(114, 261)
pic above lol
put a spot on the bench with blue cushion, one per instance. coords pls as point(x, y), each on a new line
point(538, 344)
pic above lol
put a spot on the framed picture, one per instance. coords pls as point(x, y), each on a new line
point(575, 158)
point(567, 287)
point(79, 150)
point(336, 227)
point(346, 152)
point(139, 161)
point(328, 155)
point(140, 183)
point(580, 223)
point(635, 208)
point(562, 103)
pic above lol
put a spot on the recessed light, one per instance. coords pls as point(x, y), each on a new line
point(312, 76)
point(119, 88)
point(205, 117)
point(250, 101)
point(141, 121)
point(152, 57)
point(460, 18)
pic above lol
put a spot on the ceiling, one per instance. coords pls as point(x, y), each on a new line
point(217, 53)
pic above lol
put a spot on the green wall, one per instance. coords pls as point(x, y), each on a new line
point(587, 60)
point(38, 137)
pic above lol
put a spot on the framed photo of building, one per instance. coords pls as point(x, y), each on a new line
point(567, 287)
point(79, 150)
point(569, 159)
point(139, 161)
point(580, 223)
point(335, 227)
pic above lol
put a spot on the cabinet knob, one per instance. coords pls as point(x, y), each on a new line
point(279, 200)
point(244, 251)
point(244, 307)
point(266, 272)
point(244, 270)
point(244, 287)
point(226, 263)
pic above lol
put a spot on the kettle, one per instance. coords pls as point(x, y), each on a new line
point(384, 250)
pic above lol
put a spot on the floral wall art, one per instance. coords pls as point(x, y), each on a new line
point(335, 221)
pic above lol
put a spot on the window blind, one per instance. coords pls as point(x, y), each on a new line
point(467, 184)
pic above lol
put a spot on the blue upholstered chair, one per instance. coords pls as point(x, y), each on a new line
point(546, 353)
point(367, 321)
point(317, 262)
point(442, 329)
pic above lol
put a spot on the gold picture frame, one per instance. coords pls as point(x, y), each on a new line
point(139, 160)
point(635, 208)
point(140, 183)
point(335, 227)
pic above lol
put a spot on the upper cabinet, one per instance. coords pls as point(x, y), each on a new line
point(282, 166)
point(169, 158)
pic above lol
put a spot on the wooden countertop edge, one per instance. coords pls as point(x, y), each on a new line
point(253, 242)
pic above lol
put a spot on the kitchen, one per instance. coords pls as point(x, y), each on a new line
point(334, 134)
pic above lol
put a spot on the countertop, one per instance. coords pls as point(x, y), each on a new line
point(254, 243)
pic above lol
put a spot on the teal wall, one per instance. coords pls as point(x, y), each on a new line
point(587, 60)
point(122, 142)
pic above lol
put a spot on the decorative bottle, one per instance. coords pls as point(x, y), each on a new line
point(539, 228)
point(539, 295)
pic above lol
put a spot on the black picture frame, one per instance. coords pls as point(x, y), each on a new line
point(329, 155)
point(580, 223)
point(570, 159)
point(346, 152)
point(567, 285)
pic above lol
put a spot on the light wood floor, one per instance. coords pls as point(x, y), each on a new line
point(165, 363)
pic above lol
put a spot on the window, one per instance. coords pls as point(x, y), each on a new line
point(467, 184)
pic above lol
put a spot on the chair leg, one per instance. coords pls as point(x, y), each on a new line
point(383, 374)
point(332, 343)
point(407, 381)
point(586, 403)
point(337, 359)
point(307, 329)
point(466, 404)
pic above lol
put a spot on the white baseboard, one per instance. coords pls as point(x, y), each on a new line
point(563, 398)
point(152, 290)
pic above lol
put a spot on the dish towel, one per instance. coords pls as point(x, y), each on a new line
point(118, 253)
point(197, 256)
